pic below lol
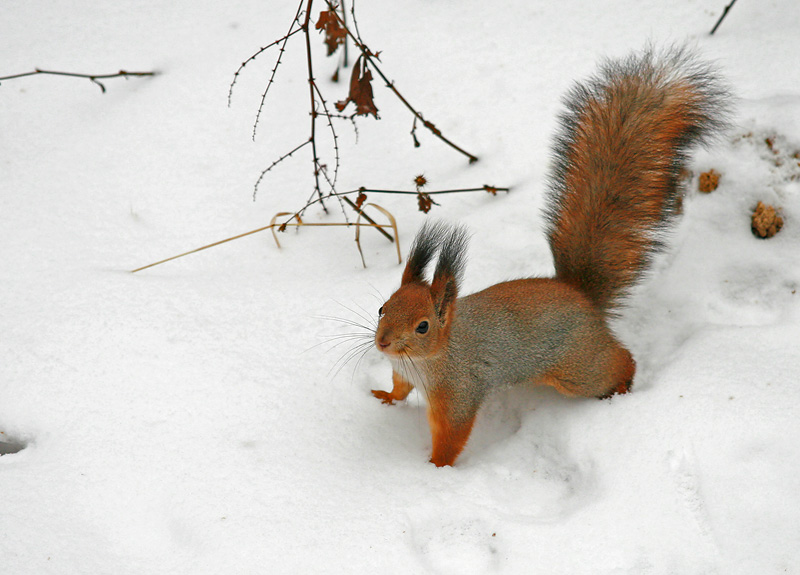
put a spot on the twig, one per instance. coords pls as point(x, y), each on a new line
point(489, 189)
point(344, 48)
point(366, 217)
point(92, 77)
point(314, 112)
point(328, 116)
point(722, 17)
point(275, 163)
point(432, 128)
point(459, 191)
point(275, 69)
point(355, 20)
point(369, 56)
point(338, 195)
point(256, 55)
point(338, 30)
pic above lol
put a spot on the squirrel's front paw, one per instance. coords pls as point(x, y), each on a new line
point(384, 396)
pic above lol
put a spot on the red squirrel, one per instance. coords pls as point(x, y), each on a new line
point(622, 143)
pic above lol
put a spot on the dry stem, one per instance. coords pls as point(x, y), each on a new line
point(92, 77)
point(369, 56)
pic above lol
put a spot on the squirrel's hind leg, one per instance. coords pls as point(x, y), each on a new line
point(612, 374)
point(623, 368)
point(400, 390)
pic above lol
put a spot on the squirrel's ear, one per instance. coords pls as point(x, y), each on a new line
point(427, 241)
point(449, 269)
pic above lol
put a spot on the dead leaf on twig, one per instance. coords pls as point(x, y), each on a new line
point(424, 202)
point(360, 91)
point(335, 35)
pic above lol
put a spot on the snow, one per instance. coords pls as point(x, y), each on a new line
point(192, 418)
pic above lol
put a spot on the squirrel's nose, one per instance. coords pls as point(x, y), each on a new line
point(382, 343)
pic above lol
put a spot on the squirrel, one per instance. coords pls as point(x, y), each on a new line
point(613, 190)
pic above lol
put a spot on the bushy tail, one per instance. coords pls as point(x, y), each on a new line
point(623, 141)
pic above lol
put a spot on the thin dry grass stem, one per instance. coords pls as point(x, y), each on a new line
point(296, 221)
point(92, 77)
point(390, 217)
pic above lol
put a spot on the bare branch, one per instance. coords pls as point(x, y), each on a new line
point(275, 163)
point(722, 17)
point(256, 55)
point(328, 116)
point(311, 86)
point(275, 69)
point(490, 189)
point(92, 77)
point(370, 57)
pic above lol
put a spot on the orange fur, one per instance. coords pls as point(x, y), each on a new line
point(622, 145)
point(449, 435)
point(623, 141)
point(400, 390)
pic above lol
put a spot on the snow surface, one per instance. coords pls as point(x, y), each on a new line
point(186, 419)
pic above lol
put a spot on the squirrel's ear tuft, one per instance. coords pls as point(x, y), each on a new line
point(449, 270)
point(425, 245)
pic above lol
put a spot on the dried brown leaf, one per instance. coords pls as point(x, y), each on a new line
point(424, 202)
point(360, 91)
point(335, 34)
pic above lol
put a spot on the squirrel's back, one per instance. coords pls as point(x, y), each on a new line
point(617, 162)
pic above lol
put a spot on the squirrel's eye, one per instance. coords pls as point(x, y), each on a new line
point(422, 327)
point(380, 311)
